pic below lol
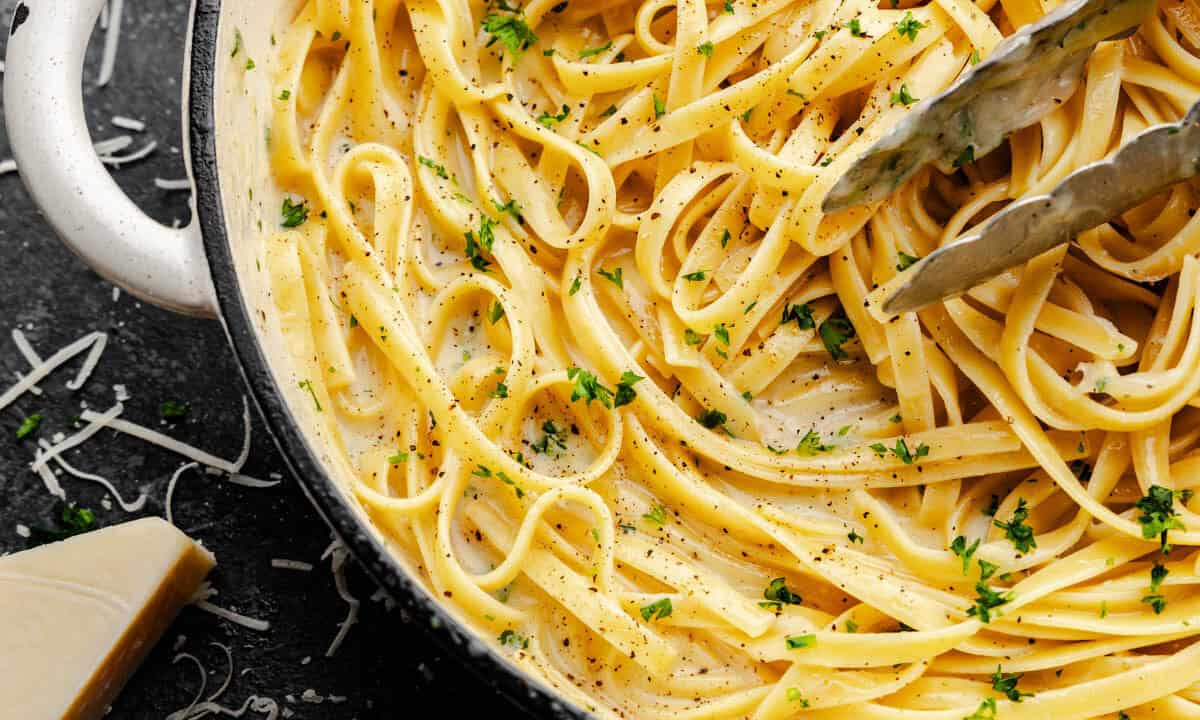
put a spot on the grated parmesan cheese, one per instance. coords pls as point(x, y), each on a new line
point(139, 154)
point(169, 443)
point(128, 123)
point(338, 554)
point(285, 564)
point(165, 184)
point(201, 601)
point(171, 489)
point(112, 38)
point(71, 470)
point(41, 370)
point(23, 531)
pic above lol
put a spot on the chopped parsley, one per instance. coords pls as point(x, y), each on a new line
point(588, 388)
point(794, 695)
point(575, 285)
point(511, 638)
point(501, 391)
point(29, 425)
point(613, 276)
point(986, 711)
point(481, 242)
point(496, 312)
point(695, 276)
point(657, 610)
point(903, 96)
point(974, 59)
point(909, 26)
point(609, 111)
point(439, 170)
point(1158, 514)
point(592, 52)
point(1158, 573)
point(551, 434)
point(399, 458)
point(905, 261)
point(1016, 530)
point(712, 419)
point(511, 30)
point(856, 28)
point(285, 94)
point(722, 334)
point(660, 107)
point(835, 332)
point(625, 393)
point(510, 208)
point(705, 49)
point(1006, 685)
point(71, 521)
point(777, 591)
point(691, 337)
point(549, 121)
point(811, 444)
point(902, 451)
point(504, 478)
point(728, 7)
point(307, 385)
point(960, 548)
point(854, 537)
point(802, 314)
point(656, 516)
point(987, 600)
point(796, 642)
point(294, 214)
point(172, 409)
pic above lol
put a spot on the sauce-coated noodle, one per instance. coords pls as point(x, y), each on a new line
point(586, 350)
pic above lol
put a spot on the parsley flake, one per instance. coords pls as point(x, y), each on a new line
point(29, 425)
point(592, 52)
point(1006, 685)
point(835, 332)
point(588, 388)
point(511, 30)
point(960, 548)
point(657, 610)
point(294, 214)
point(549, 121)
point(1016, 530)
point(909, 26)
point(777, 591)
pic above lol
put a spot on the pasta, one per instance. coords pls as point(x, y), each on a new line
point(579, 340)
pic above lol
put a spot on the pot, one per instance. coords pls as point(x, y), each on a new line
point(209, 268)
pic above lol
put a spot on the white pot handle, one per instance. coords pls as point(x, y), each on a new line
point(43, 106)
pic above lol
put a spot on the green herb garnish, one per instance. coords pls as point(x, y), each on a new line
point(1016, 530)
point(909, 26)
point(294, 214)
point(657, 610)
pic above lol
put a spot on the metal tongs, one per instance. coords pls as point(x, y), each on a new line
point(1092, 195)
point(1029, 74)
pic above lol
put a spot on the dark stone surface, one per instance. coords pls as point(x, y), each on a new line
point(385, 668)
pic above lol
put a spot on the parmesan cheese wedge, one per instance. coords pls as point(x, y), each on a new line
point(77, 617)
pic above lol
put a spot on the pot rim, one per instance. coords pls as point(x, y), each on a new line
point(526, 691)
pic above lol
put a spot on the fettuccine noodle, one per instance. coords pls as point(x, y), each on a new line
point(579, 339)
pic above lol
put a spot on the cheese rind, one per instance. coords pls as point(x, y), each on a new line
point(77, 617)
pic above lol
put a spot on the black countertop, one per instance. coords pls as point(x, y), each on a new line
point(385, 668)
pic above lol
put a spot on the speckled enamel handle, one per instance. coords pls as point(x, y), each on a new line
point(43, 105)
